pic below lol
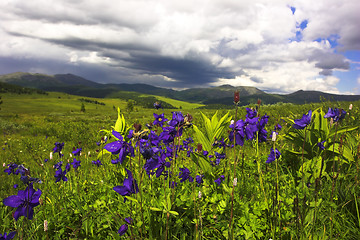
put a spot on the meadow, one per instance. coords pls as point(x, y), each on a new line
point(279, 171)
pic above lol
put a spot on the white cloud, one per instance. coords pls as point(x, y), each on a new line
point(195, 43)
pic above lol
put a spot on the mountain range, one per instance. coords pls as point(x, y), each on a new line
point(221, 95)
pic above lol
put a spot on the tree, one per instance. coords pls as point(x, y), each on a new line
point(82, 107)
point(130, 105)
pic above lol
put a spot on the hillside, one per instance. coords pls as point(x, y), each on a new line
point(220, 96)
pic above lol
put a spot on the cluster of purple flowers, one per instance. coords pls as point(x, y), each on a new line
point(246, 130)
point(336, 114)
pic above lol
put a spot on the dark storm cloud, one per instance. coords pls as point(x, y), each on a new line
point(329, 61)
point(186, 71)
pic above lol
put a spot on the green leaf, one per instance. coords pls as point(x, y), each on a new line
point(202, 162)
point(174, 213)
point(156, 209)
point(132, 199)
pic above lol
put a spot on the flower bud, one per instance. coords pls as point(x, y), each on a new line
point(45, 225)
point(235, 182)
point(51, 155)
point(199, 194)
point(199, 147)
point(273, 138)
point(258, 101)
point(236, 96)
point(350, 106)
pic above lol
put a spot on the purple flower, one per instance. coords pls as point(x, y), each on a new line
point(220, 180)
point(77, 152)
point(67, 167)
point(273, 155)
point(58, 147)
point(60, 175)
point(277, 127)
point(199, 179)
point(116, 146)
point(11, 169)
point(123, 229)
point(185, 175)
point(172, 184)
point(262, 133)
point(58, 165)
point(238, 130)
point(128, 220)
point(250, 113)
point(159, 119)
point(129, 186)
point(321, 145)
point(24, 201)
point(336, 114)
point(97, 163)
point(303, 122)
point(11, 235)
point(76, 163)
point(157, 105)
point(177, 119)
point(16, 186)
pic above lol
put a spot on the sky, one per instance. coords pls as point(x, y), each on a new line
point(278, 46)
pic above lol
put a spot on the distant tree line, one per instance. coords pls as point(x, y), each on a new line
point(11, 88)
point(91, 101)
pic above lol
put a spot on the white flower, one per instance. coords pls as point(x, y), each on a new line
point(51, 155)
point(199, 195)
point(273, 138)
point(70, 155)
point(350, 106)
point(235, 182)
point(232, 122)
point(45, 225)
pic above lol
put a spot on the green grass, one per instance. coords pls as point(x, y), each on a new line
point(87, 207)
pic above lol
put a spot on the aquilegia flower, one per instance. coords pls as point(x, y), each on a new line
point(11, 235)
point(129, 186)
point(159, 119)
point(24, 201)
point(303, 122)
point(273, 155)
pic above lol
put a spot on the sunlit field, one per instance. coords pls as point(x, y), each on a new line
point(280, 171)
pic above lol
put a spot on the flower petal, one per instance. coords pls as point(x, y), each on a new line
point(13, 201)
